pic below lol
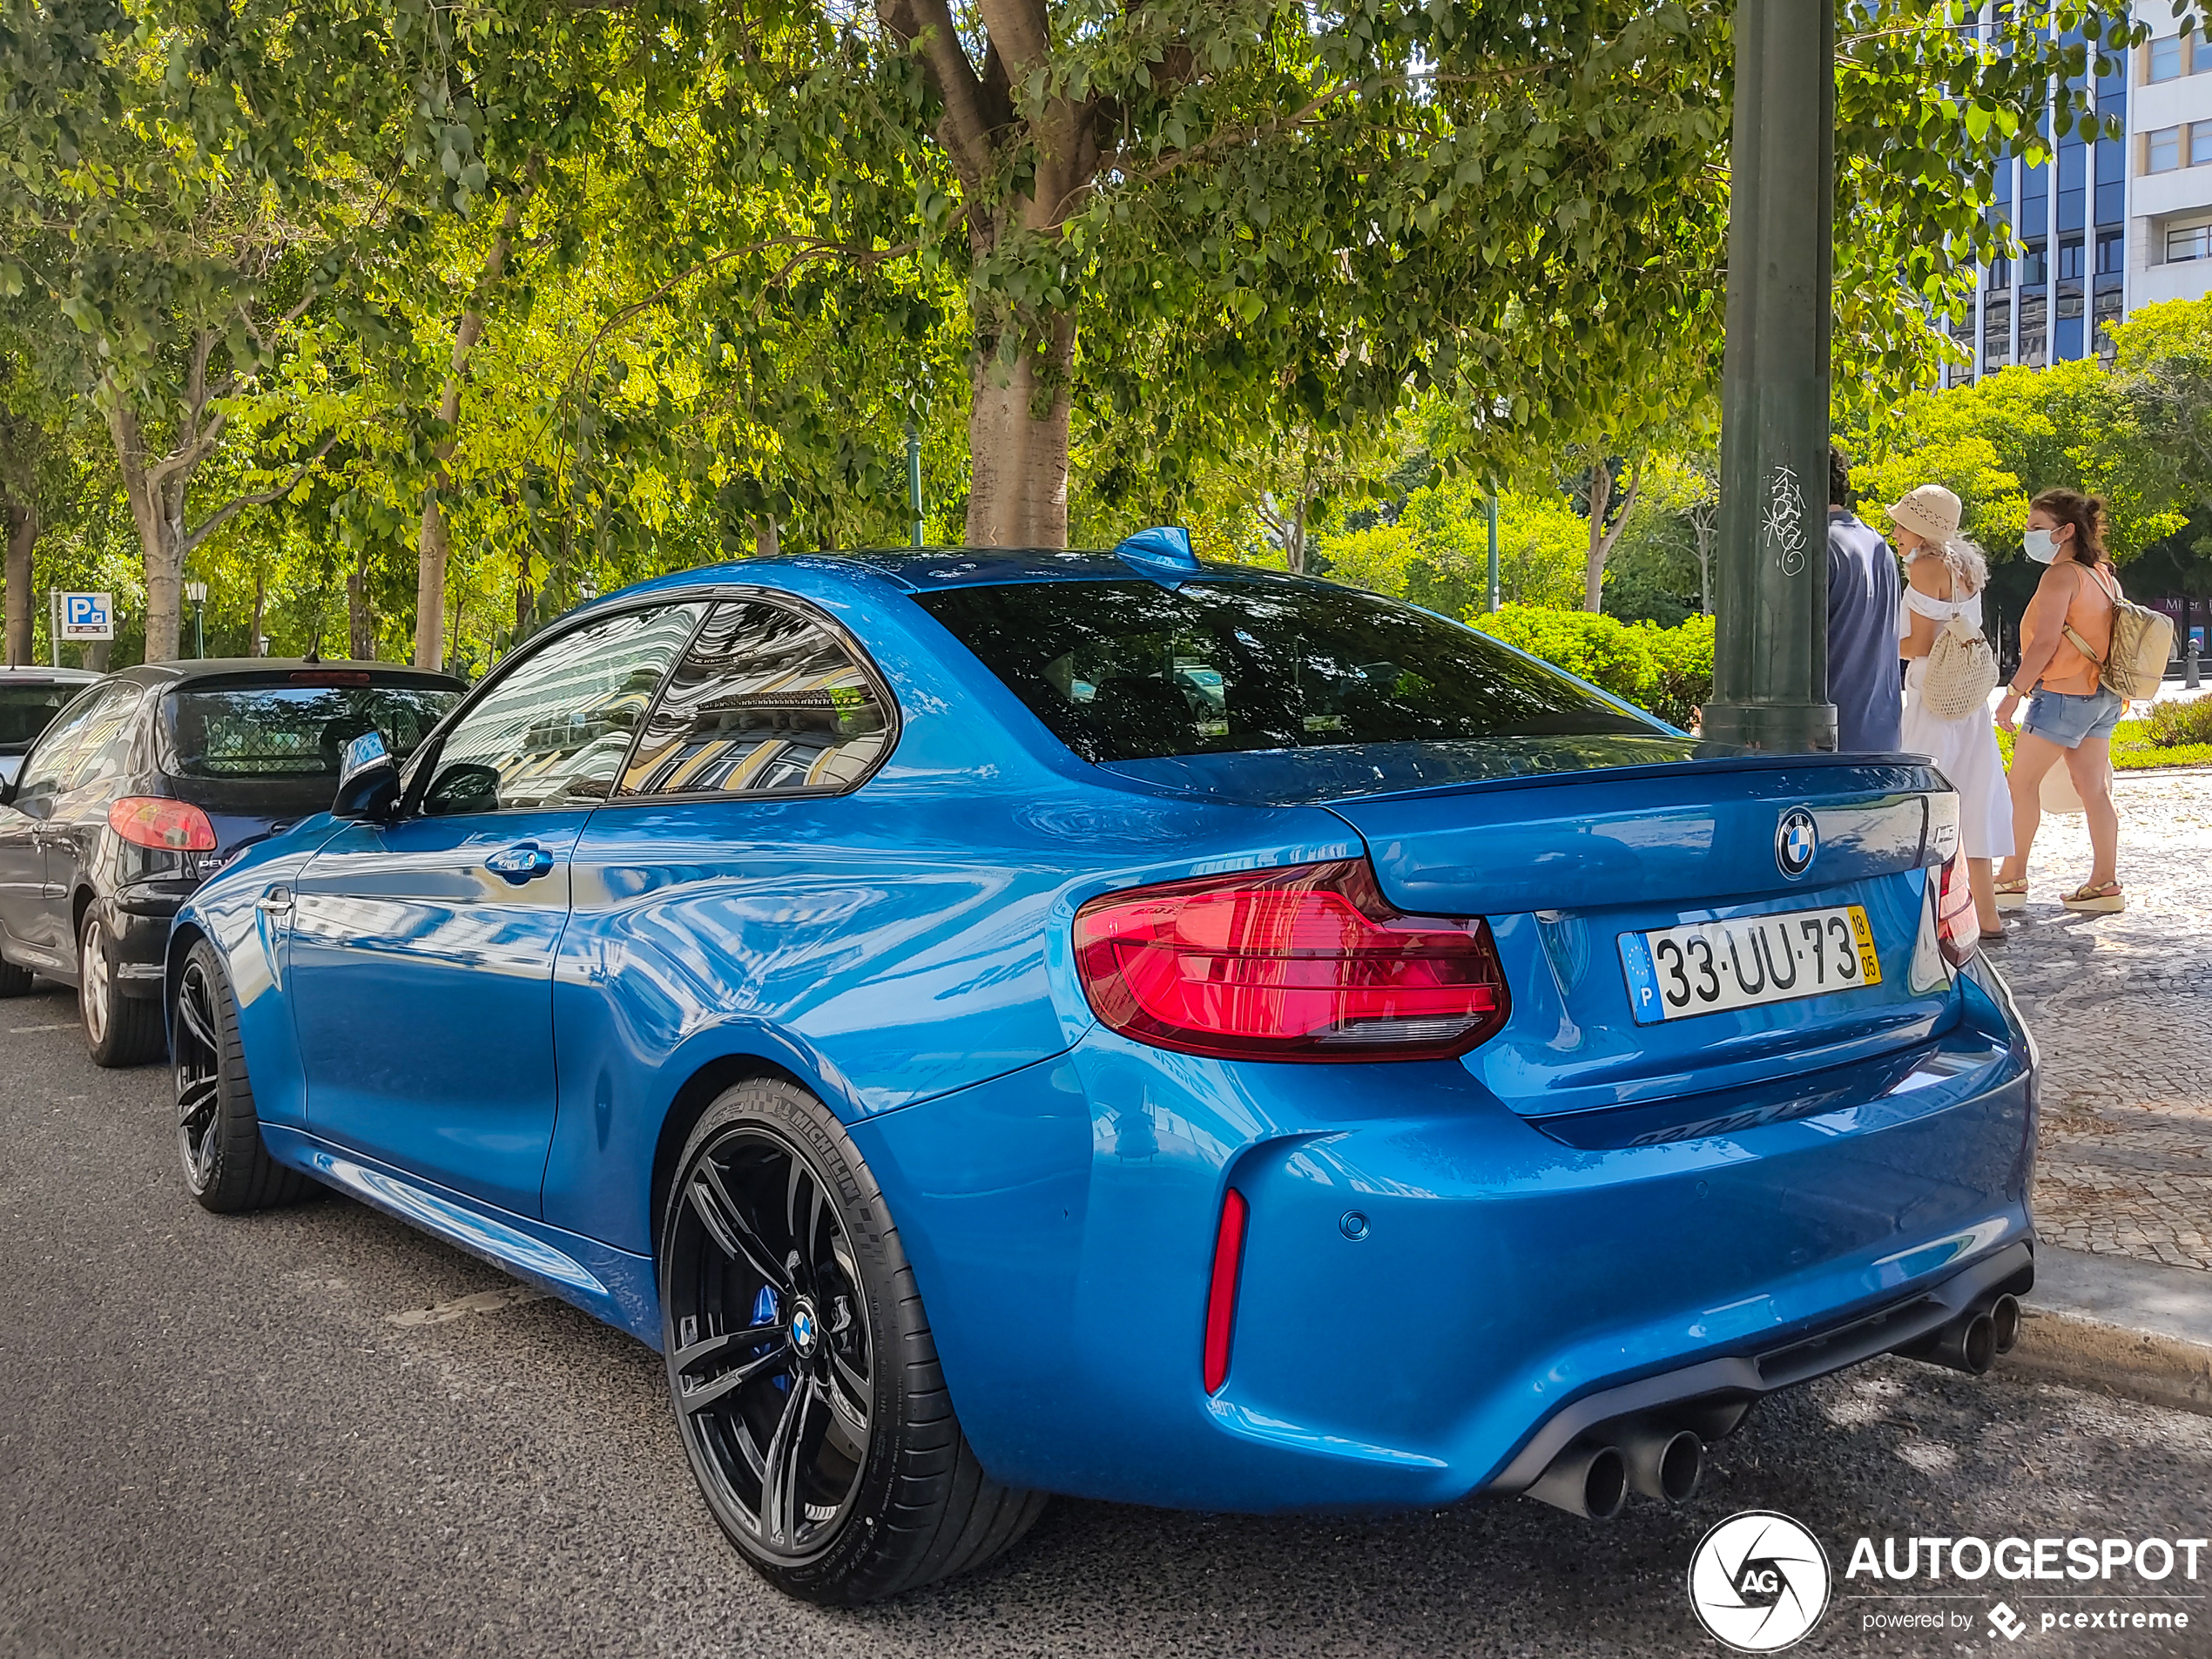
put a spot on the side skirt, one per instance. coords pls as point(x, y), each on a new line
point(613, 1285)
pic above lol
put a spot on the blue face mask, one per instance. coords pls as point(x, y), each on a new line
point(2040, 545)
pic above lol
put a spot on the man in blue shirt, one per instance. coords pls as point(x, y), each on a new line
point(1865, 679)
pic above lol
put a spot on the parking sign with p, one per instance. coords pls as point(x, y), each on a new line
point(88, 616)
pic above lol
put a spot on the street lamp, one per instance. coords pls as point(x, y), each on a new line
point(197, 593)
point(1771, 660)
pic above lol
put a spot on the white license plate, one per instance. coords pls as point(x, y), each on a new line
point(1707, 966)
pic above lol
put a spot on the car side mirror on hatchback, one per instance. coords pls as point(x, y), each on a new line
point(368, 780)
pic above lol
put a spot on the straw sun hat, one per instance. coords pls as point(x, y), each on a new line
point(1930, 512)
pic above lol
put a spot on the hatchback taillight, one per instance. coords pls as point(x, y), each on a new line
point(1308, 963)
point(167, 826)
point(1957, 924)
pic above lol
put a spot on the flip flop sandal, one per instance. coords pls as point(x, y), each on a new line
point(2011, 895)
point(2105, 897)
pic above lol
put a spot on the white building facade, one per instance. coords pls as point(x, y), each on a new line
point(2105, 226)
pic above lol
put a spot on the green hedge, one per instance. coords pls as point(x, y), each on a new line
point(1668, 670)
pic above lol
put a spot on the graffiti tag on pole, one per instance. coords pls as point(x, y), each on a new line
point(1783, 526)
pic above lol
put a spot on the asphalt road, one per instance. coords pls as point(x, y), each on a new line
point(241, 1436)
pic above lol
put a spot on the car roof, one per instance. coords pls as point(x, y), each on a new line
point(285, 671)
point(922, 569)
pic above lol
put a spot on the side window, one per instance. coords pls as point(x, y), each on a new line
point(765, 702)
point(109, 737)
point(51, 767)
point(553, 729)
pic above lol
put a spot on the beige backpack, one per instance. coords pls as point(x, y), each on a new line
point(2142, 641)
point(1962, 672)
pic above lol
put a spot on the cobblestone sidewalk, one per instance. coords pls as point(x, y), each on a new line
point(2121, 1006)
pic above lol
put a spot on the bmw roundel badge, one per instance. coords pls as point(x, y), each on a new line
point(1796, 840)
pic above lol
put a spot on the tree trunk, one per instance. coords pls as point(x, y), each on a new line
point(1593, 560)
point(22, 536)
point(1017, 439)
point(361, 623)
point(766, 544)
point(156, 512)
point(1601, 538)
point(432, 546)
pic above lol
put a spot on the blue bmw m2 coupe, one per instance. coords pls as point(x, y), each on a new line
point(991, 1019)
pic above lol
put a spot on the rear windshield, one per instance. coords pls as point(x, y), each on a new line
point(25, 711)
point(292, 730)
point(1128, 670)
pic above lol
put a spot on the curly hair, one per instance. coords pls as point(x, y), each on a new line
point(2086, 514)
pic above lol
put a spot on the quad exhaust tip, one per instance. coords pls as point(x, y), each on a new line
point(1586, 1480)
point(1593, 1478)
point(1664, 1466)
point(1972, 1342)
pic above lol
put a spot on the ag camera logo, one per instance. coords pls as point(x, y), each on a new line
point(1759, 1582)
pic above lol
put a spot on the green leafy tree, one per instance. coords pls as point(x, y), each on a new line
point(1194, 221)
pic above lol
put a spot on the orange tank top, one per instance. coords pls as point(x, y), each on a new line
point(2089, 613)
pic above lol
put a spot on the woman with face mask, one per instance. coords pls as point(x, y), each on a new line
point(2071, 712)
point(1944, 576)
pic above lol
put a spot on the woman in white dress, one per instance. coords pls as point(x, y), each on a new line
point(1944, 576)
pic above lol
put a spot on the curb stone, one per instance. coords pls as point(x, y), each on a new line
point(2122, 1324)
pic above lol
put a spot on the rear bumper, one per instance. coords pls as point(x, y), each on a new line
point(1433, 1291)
point(138, 921)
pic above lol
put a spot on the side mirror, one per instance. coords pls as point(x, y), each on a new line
point(368, 780)
point(464, 787)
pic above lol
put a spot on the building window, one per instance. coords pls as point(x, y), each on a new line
point(2188, 242)
point(2035, 267)
point(2167, 58)
point(2104, 314)
point(2111, 253)
point(1996, 334)
point(2034, 331)
point(2070, 259)
point(2164, 150)
point(2200, 143)
point(2001, 275)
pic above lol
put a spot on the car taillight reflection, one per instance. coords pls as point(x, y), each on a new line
point(166, 826)
point(1308, 963)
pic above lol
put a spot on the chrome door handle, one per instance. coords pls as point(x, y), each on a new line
point(276, 901)
point(521, 863)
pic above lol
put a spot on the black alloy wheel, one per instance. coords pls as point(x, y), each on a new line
point(120, 1030)
point(219, 1135)
point(805, 1384)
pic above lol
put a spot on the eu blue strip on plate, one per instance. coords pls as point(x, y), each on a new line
point(1643, 983)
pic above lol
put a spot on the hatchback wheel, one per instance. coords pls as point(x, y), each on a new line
point(14, 981)
point(120, 1030)
point(219, 1136)
point(806, 1382)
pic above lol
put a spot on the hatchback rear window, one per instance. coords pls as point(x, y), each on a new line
point(292, 730)
point(1131, 670)
point(25, 711)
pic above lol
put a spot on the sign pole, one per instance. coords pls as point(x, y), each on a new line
point(54, 623)
point(1770, 667)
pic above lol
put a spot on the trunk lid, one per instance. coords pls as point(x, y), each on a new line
point(1575, 871)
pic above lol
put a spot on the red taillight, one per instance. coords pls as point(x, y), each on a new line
point(1957, 924)
point(1221, 1295)
point(1304, 963)
point(167, 825)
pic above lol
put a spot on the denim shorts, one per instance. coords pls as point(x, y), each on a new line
point(2068, 718)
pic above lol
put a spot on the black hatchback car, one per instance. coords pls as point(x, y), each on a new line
point(148, 784)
